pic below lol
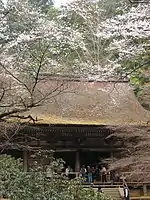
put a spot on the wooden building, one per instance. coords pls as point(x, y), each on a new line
point(76, 117)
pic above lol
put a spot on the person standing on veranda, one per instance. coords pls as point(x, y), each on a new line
point(89, 172)
point(104, 174)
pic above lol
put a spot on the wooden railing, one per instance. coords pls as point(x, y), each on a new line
point(137, 176)
point(77, 175)
point(129, 177)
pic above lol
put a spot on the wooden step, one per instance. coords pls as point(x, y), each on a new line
point(103, 186)
point(112, 192)
point(141, 198)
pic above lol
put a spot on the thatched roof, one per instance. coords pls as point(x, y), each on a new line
point(83, 102)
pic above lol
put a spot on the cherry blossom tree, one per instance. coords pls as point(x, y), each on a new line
point(112, 37)
point(32, 44)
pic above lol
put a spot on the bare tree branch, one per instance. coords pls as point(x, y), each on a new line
point(39, 68)
point(12, 75)
point(2, 95)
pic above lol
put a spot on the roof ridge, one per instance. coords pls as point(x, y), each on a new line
point(78, 78)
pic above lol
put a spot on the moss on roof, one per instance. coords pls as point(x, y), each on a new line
point(107, 103)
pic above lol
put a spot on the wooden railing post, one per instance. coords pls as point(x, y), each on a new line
point(144, 189)
point(77, 164)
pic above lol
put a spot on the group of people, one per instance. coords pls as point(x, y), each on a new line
point(92, 174)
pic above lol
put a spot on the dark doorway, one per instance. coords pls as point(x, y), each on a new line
point(68, 157)
point(14, 153)
point(93, 157)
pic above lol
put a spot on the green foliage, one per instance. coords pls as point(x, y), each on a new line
point(138, 68)
point(11, 172)
point(17, 184)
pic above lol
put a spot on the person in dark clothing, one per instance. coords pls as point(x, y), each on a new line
point(100, 189)
point(83, 171)
point(97, 173)
point(89, 172)
point(126, 193)
point(93, 174)
point(104, 173)
point(116, 177)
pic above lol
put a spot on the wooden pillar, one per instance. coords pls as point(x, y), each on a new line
point(25, 160)
point(111, 154)
point(77, 165)
point(144, 189)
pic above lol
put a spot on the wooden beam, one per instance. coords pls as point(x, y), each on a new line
point(101, 149)
point(87, 149)
point(65, 150)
